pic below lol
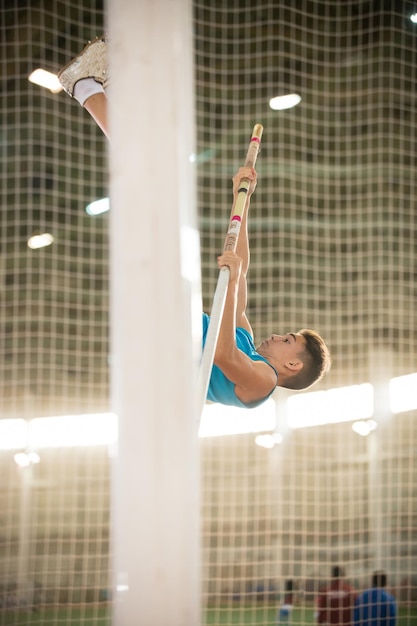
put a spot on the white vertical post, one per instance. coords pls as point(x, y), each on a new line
point(24, 584)
point(380, 372)
point(156, 329)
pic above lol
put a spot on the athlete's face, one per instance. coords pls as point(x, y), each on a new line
point(282, 348)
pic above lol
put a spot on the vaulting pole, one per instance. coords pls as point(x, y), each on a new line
point(223, 279)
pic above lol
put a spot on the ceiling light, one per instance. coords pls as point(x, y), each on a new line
point(364, 427)
point(24, 459)
point(73, 430)
point(45, 79)
point(402, 391)
point(284, 102)
point(98, 206)
point(13, 434)
point(218, 419)
point(40, 241)
point(268, 441)
point(342, 404)
point(59, 431)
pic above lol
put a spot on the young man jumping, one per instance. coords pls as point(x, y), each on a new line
point(243, 375)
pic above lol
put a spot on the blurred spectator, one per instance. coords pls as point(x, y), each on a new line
point(285, 610)
point(375, 606)
point(335, 603)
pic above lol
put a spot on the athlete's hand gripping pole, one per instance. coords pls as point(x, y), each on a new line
point(223, 279)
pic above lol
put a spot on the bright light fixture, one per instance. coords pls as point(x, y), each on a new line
point(24, 459)
point(220, 420)
point(403, 393)
point(279, 103)
point(13, 434)
point(98, 206)
point(45, 79)
point(268, 440)
point(413, 18)
point(65, 431)
point(364, 427)
point(342, 404)
point(40, 241)
point(73, 430)
point(62, 431)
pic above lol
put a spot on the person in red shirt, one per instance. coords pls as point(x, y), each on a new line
point(336, 602)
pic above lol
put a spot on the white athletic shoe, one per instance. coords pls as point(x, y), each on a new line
point(90, 63)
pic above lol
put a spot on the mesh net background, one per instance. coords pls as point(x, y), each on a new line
point(333, 242)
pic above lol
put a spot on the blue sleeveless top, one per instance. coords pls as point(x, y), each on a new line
point(221, 389)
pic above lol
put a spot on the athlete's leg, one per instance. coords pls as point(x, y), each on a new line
point(85, 78)
point(96, 105)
